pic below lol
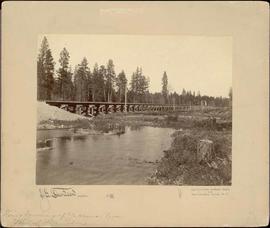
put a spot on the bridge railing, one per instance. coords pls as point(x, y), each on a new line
point(101, 102)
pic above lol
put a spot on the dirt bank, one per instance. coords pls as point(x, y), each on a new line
point(180, 165)
point(50, 117)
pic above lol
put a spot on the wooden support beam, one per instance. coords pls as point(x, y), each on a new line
point(122, 108)
point(91, 110)
point(117, 108)
point(106, 108)
point(114, 108)
point(71, 108)
point(96, 109)
point(110, 109)
point(102, 109)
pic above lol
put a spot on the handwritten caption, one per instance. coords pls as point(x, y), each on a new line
point(67, 218)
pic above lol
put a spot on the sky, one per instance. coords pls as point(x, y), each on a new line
point(196, 63)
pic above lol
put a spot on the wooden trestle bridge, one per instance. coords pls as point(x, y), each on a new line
point(94, 108)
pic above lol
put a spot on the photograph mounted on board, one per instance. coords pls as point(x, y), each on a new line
point(134, 110)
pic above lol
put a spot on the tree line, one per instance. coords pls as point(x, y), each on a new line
point(104, 84)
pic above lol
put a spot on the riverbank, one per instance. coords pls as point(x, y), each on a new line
point(180, 164)
point(214, 120)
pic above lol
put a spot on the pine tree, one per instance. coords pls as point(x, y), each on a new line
point(110, 79)
point(95, 82)
point(121, 82)
point(165, 91)
point(230, 97)
point(89, 82)
point(49, 72)
point(64, 80)
point(70, 85)
point(45, 72)
point(230, 94)
point(40, 69)
point(133, 83)
point(139, 86)
point(102, 83)
point(81, 75)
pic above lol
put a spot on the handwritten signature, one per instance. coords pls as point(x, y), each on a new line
point(56, 192)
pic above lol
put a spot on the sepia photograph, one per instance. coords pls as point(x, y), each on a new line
point(134, 114)
point(134, 110)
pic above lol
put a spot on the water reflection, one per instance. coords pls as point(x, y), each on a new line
point(80, 137)
point(45, 143)
point(120, 130)
point(107, 127)
point(65, 138)
point(136, 127)
point(126, 156)
point(46, 158)
point(95, 137)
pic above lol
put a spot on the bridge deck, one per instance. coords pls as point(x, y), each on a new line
point(90, 108)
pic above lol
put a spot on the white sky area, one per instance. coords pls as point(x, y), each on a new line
point(196, 63)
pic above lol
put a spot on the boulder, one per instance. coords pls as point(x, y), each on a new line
point(205, 149)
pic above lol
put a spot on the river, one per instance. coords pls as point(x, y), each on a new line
point(82, 159)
